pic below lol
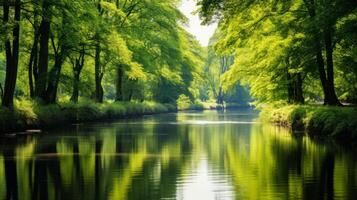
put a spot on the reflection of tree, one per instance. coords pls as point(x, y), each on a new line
point(23, 165)
point(132, 160)
point(291, 168)
point(10, 174)
point(2, 178)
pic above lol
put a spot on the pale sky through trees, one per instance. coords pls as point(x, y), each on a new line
point(202, 33)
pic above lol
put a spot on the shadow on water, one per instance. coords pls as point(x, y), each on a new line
point(189, 155)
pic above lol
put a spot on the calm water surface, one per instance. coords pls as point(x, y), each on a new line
point(189, 155)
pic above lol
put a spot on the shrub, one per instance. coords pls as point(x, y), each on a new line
point(183, 102)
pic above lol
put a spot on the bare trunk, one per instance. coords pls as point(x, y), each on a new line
point(33, 64)
point(333, 100)
point(98, 75)
point(290, 88)
point(294, 86)
point(12, 55)
point(119, 83)
point(77, 68)
point(321, 69)
point(75, 90)
point(220, 96)
point(44, 31)
point(327, 84)
point(298, 91)
point(53, 80)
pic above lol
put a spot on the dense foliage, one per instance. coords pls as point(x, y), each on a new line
point(119, 50)
point(288, 51)
point(217, 63)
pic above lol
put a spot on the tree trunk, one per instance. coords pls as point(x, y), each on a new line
point(1, 91)
point(98, 76)
point(75, 90)
point(77, 68)
point(44, 30)
point(119, 83)
point(330, 97)
point(298, 91)
point(12, 54)
point(294, 85)
point(130, 96)
point(289, 87)
point(33, 64)
point(223, 68)
point(53, 80)
point(333, 100)
point(321, 69)
point(220, 96)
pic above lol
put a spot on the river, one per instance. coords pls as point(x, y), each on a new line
point(187, 155)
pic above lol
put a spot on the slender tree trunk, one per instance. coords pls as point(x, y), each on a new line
point(1, 91)
point(298, 93)
point(33, 64)
point(294, 85)
point(321, 69)
point(53, 80)
point(77, 68)
point(130, 96)
point(30, 76)
point(220, 96)
point(75, 90)
point(75, 86)
point(54, 75)
point(330, 97)
point(223, 66)
point(12, 54)
point(44, 30)
point(290, 88)
point(119, 83)
point(333, 100)
point(98, 76)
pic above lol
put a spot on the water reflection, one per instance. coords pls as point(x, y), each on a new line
point(194, 155)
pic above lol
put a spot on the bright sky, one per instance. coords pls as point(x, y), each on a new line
point(202, 33)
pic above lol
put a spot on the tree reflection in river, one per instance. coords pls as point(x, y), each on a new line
point(205, 155)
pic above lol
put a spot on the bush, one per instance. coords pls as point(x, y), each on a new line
point(183, 102)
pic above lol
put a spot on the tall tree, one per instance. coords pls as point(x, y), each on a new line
point(12, 44)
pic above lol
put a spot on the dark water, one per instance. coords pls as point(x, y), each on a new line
point(192, 155)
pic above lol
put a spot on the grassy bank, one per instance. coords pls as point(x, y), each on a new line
point(337, 122)
point(29, 114)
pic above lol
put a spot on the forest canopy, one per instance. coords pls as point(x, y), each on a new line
point(139, 50)
point(288, 51)
point(122, 50)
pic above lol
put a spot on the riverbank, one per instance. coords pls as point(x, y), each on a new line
point(339, 123)
point(31, 115)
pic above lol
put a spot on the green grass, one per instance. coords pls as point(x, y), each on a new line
point(29, 114)
point(337, 122)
